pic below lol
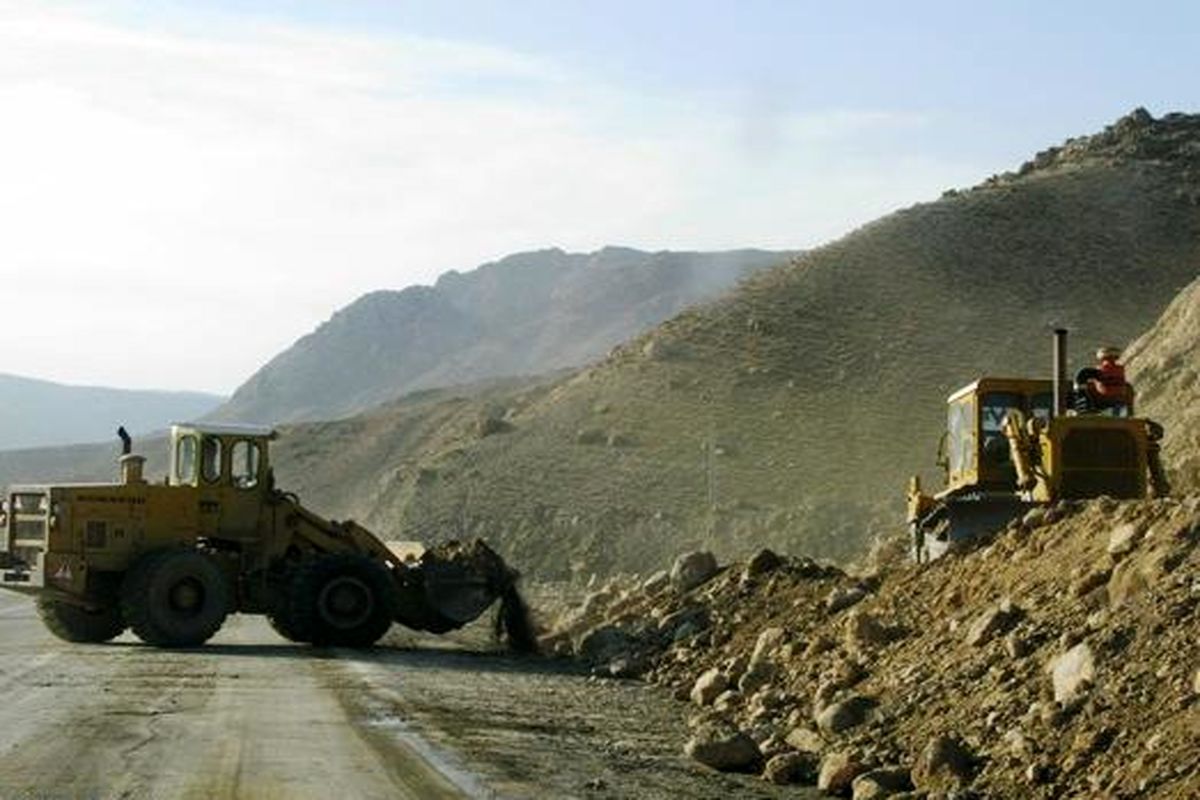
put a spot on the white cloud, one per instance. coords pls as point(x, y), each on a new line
point(177, 206)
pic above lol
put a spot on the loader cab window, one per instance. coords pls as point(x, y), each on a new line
point(244, 464)
point(996, 406)
point(185, 460)
point(960, 436)
point(1041, 406)
point(210, 459)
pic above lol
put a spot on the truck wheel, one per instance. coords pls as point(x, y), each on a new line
point(342, 601)
point(175, 598)
point(77, 624)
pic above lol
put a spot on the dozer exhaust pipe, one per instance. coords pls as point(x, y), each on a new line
point(1060, 372)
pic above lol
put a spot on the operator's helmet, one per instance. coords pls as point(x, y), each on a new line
point(1108, 353)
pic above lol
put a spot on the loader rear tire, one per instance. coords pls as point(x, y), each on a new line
point(175, 598)
point(282, 623)
point(74, 623)
point(343, 600)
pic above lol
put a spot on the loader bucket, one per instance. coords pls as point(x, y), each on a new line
point(454, 583)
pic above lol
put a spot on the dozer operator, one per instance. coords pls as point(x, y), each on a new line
point(171, 560)
point(1015, 443)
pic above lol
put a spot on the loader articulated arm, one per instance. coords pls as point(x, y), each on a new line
point(450, 585)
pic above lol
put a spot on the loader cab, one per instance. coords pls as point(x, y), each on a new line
point(975, 453)
point(224, 456)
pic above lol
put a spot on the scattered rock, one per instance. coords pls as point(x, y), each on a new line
point(758, 675)
point(842, 716)
point(1123, 539)
point(767, 641)
point(1090, 581)
point(692, 569)
point(842, 598)
point(806, 740)
point(723, 747)
point(709, 686)
point(763, 562)
point(683, 623)
point(1034, 517)
point(1072, 673)
point(787, 768)
point(864, 630)
point(945, 762)
point(879, 783)
point(657, 583)
point(992, 623)
point(1016, 646)
point(604, 644)
point(838, 771)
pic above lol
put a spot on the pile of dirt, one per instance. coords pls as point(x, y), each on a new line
point(1059, 660)
point(1164, 366)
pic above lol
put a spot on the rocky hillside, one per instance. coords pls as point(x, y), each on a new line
point(36, 413)
point(791, 411)
point(1164, 365)
point(1058, 661)
point(526, 314)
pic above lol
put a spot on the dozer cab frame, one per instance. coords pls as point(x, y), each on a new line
point(1012, 444)
point(171, 560)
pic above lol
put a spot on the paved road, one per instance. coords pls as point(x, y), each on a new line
point(250, 716)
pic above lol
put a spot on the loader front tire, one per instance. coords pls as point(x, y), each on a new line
point(74, 623)
point(344, 600)
point(175, 598)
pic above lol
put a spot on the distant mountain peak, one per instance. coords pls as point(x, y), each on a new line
point(526, 313)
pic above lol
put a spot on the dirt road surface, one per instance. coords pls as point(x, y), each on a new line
point(251, 716)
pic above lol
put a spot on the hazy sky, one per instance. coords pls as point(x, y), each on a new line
point(186, 191)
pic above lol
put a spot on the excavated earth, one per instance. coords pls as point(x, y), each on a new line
point(250, 716)
point(1060, 660)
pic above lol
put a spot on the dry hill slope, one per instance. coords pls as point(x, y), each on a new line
point(1164, 365)
point(791, 411)
point(528, 313)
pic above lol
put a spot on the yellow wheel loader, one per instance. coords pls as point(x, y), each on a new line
point(1012, 444)
point(171, 560)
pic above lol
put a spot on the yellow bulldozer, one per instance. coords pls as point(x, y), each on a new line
point(171, 560)
point(1012, 444)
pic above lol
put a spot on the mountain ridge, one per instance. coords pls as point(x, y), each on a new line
point(39, 413)
point(526, 313)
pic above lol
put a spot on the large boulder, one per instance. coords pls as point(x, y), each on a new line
point(604, 644)
point(880, 783)
point(944, 763)
point(788, 768)
point(709, 686)
point(838, 771)
point(992, 623)
point(692, 569)
point(723, 747)
point(838, 717)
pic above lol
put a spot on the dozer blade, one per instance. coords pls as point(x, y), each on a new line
point(956, 521)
